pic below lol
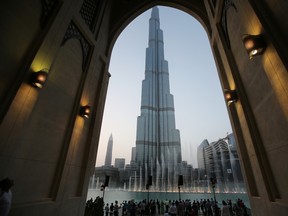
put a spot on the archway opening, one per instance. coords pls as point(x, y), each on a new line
point(200, 109)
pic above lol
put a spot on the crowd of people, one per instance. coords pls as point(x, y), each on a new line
point(94, 208)
point(205, 207)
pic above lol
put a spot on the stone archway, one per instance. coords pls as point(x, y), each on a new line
point(225, 27)
point(259, 118)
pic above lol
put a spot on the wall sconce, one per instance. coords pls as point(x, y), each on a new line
point(230, 96)
point(39, 78)
point(85, 111)
point(254, 45)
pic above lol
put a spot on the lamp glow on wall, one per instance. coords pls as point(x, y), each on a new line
point(230, 96)
point(254, 45)
point(85, 111)
point(39, 78)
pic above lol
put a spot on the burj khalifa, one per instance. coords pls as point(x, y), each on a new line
point(158, 146)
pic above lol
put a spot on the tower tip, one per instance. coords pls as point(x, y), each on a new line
point(155, 12)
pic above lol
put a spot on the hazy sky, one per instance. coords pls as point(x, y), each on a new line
point(200, 109)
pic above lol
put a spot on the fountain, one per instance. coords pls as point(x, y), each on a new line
point(140, 180)
point(233, 164)
point(165, 171)
point(129, 184)
point(135, 181)
point(97, 183)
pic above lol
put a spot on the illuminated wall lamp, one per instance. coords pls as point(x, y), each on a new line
point(85, 111)
point(230, 96)
point(254, 45)
point(39, 78)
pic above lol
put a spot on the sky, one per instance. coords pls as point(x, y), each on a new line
point(200, 109)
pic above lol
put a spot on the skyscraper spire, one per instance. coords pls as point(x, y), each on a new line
point(158, 149)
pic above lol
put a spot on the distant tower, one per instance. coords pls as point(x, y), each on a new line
point(158, 149)
point(108, 159)
point(133, 154)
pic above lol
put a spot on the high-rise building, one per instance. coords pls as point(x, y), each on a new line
point(158, 148)
point(219, 160)
point(201, 154)
point(119, 163)
point(108, 158)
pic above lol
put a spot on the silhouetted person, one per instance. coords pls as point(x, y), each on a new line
point(225, 211)
point(5, 196)
point(107, 209)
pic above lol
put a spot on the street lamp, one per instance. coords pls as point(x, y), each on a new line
point(106, 183)
point(147, 188)
point(149, 183)
point(180, 183)
point(213, 182)
point(103, 189)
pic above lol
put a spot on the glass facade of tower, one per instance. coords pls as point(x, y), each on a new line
point(158, 148)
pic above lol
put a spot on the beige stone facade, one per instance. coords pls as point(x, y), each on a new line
point(50, 150)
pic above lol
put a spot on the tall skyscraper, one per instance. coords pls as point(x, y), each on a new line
point(158, 148)
point(108, 158)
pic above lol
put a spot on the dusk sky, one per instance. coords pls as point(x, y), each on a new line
point(200, 109)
